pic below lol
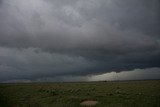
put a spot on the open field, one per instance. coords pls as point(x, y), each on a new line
point(103, 94)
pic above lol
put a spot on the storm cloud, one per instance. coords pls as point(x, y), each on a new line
point(50, 38)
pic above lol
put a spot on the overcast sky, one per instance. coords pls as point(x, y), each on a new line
point(60, 40)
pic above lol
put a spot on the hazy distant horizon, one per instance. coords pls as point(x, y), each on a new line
point(137, 74)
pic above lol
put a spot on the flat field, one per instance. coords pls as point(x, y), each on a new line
point(81, 94)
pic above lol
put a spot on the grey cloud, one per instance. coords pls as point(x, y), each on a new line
point(99, 36)
point(27, 25)
point(137, 74)
point(33, 63)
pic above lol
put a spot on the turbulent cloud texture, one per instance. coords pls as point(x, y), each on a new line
point(50, 38)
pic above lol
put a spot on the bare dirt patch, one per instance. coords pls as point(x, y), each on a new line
point(89, 103)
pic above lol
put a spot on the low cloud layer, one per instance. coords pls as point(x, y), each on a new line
point(45, 38)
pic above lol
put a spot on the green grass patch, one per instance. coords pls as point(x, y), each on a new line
point(108, 94)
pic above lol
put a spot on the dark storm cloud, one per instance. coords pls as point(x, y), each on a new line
point(47, 38)
point(32, 63)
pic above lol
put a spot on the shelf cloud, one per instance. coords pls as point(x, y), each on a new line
point(52, 38)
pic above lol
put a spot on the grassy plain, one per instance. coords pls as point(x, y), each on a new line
point(107, 94)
